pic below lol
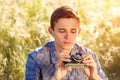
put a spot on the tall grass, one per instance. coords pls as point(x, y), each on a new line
point(24, 23)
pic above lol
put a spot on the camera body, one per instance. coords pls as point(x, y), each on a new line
point(76, 61)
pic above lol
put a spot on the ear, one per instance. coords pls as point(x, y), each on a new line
point(50, 30)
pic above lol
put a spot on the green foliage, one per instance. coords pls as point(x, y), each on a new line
point(24, 23)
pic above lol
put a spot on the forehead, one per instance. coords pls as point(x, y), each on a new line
point(67, 23)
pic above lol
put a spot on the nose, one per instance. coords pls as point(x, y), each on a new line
point(67, 35)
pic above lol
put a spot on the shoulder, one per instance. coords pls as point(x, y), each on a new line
point(41, 51)
point(84, 50)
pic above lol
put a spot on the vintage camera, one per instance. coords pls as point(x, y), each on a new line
point(76, 61)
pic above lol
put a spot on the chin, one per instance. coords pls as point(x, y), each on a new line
point(67, 48)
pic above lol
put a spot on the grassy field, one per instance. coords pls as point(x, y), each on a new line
point(24, 23)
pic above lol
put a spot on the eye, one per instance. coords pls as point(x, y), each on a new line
point(61, 30)
point(73, 31)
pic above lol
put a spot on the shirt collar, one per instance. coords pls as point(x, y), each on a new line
point(54, 58)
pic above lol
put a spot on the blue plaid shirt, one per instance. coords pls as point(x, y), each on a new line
point(41, 63)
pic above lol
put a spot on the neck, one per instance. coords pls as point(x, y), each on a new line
point(60, 50)
point(67, 52)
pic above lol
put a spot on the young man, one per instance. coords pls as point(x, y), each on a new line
point(47, 62)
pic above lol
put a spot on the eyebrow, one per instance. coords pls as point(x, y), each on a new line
point(64, 29)
point(61, 29)
point(74, 29)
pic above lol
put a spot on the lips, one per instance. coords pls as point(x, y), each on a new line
point(67, 43)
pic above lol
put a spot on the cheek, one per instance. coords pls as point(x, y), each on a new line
point(58, 36)
point(75, 36)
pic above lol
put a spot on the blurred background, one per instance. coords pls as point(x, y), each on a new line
point(24, 23)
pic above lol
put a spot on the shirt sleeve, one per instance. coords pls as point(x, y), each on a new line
point(32, 71)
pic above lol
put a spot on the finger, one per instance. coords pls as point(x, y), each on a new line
point(91, 65)
point(65, 60)
point(87, 61)
point(87, 57)
point(68, 68)
point(60, 65)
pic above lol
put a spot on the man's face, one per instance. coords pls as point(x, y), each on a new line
point(65, 32)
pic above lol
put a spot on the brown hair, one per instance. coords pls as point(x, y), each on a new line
point(63, 12)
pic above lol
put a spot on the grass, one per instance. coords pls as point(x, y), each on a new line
point(24, 23)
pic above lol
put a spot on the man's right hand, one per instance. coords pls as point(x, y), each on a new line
point(61, 69)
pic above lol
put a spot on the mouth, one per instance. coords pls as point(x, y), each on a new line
point(67, 43)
